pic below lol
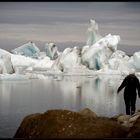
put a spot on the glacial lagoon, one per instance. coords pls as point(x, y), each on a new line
point(21, 98)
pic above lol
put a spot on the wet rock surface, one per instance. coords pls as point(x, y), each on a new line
point(69, 124)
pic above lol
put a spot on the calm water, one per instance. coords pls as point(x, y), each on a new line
point(21, 98)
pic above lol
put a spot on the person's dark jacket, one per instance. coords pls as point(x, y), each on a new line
point(131, 83)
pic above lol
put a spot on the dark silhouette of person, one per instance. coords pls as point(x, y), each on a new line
point(131, 83)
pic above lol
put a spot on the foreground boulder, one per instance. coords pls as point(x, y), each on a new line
point(134, 131)
point(126, 120)
point(68, 124)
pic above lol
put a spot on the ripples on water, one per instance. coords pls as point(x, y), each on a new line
point(21, 98)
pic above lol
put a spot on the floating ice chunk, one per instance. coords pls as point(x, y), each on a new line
point(28, 49)
point(68, 60)
point(3, 52)
point(13, 77)
point(19, 60)
point(93, 33)
point(51, 50)
point(5, 62)
point(84, 49)
point(20, 69)
point(119, 61)
point(131, 63)
point(136, 60)
point(21, 63)
point(118, 64)
point(58, 64)
point(43, 64)
point(96, 56)
point(42, 55)
point(120, 54)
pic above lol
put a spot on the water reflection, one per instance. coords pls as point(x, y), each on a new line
point(5, 91)
point(98, 93)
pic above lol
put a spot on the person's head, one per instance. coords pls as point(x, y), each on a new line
point(132, 71)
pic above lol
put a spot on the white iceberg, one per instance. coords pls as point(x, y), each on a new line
point(43, 64)
point(69, 61)
point(20, 63)
point(136, 59)
point(51, 50)
point(96, 56)
point(119, 61)
point(11, 63)
point(93, 33)
point(5, 62)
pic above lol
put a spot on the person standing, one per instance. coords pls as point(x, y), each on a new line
point(131, 83)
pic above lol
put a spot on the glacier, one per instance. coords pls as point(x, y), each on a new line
point(99, 55)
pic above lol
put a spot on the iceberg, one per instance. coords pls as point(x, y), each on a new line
point(28, 49)
point(43, 64)
point(134, 61)
point(96, 56)
point(10, 63)
point(69, 60)
point(20, 62)
point(119, 61)
point(51, 50)
point(93, 33)
point(5, 62)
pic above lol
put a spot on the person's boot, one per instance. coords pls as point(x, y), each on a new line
point(132, 112)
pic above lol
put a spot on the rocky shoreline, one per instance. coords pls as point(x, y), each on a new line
point(83, 124)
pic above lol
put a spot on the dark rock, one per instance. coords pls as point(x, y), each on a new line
point(68, 124)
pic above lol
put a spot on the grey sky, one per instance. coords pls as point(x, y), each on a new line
point(66, 23)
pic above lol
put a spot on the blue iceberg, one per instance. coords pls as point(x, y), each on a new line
point(28, 49)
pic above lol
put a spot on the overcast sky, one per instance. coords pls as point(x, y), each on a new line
point(66, 23)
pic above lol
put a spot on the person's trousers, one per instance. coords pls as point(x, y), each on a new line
point(130, 104)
